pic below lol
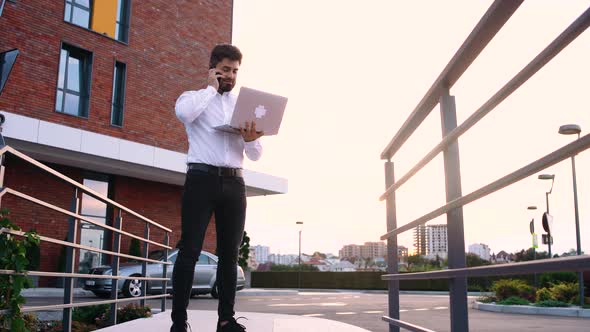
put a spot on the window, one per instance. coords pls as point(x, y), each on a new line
point(95, 210)
point(7, 60)
point(119, 79)
point(78, 12)
point(73, 85)
point(108, 17)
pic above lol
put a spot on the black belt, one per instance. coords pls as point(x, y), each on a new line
point(214, 170)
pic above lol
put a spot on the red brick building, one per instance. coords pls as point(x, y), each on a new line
point(92, 95)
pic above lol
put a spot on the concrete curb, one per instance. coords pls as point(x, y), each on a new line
point(266, 292)
point(532, 310)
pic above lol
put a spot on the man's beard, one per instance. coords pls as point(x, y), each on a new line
point(225, 87)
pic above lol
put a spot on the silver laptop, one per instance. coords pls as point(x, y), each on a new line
point(263, 108)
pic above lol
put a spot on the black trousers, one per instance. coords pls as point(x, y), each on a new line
point(205, 194)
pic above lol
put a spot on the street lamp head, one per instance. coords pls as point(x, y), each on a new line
point(570, 129)
point(299, 223)
point(531, 208)
point(546, 176)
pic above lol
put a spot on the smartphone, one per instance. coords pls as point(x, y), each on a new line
point(219, 78)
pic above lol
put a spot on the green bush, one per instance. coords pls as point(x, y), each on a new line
point(506, 288)
point(129, 312)
point(543, 294)
point(552, 303)
point(486, 299)
point(549, 279)
point(514, 300)
point(566, 292)
point(133, 311)
point(89, 314)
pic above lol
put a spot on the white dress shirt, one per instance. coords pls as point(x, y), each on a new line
point(201, 111)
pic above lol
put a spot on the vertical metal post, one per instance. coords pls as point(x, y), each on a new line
point(165, 272)
point(70, 263)
point(115, 266)
point(392, 250)
point(577, 218)
point(456, 238)
point(299, 273)
point(146, 247)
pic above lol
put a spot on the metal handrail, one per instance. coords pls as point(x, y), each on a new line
point(78, 185)
point(439, 93)
point(79, 275)
point(79, 246)
point(553, 158)
point(7, 190)
point(571, 263)
point(75, 217)
point(556, 46)
point(487, 27)
point(85, 304)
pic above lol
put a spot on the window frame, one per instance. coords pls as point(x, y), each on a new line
point(84, 96)
point(122, 94)
point(126, 14)
point(74, 3)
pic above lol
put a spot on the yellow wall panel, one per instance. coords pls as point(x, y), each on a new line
point(104, 16)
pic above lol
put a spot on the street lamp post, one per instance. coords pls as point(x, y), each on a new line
point(552, 178)
point(299, 273)
point(573, 129)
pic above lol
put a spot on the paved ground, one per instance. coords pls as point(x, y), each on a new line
point(365, 310)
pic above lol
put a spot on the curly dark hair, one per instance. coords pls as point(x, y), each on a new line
point(223, 51)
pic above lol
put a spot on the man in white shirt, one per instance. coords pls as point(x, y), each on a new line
point(214, 184)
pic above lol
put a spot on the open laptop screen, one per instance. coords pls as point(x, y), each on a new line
point(7, 60)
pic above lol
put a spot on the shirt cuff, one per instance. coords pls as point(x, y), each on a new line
point(251, 144)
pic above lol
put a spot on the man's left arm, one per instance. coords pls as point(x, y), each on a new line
point(252, 145)
point(253, 149)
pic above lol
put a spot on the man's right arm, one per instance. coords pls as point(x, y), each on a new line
point(191, 104)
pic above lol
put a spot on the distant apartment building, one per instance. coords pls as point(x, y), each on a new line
point(350, 251)
point(431, 241)
point(373, 250)
point(436, 239)
point(402, 253)
point(284, 259)
point(261, 253)
point(420, 240)
point(481, 250)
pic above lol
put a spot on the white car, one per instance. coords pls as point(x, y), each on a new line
point(203, 283)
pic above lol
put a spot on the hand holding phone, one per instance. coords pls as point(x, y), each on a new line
point(214, 78)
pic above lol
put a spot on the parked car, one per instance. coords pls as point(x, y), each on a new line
point(204, 281)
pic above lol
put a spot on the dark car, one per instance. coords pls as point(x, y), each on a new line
point(204, 281)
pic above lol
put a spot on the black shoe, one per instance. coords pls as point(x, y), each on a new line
point(231, 326)
point(180, 327)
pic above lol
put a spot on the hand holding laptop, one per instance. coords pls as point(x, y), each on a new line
point(253, 106)
point(249, 132)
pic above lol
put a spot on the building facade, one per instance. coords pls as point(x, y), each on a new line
point(373, 250)
point(436, 240)
point(431, 241)
point(350, 251)
point(91, 94)
point(481, 250)
point(420, 240)
point(261, 253)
